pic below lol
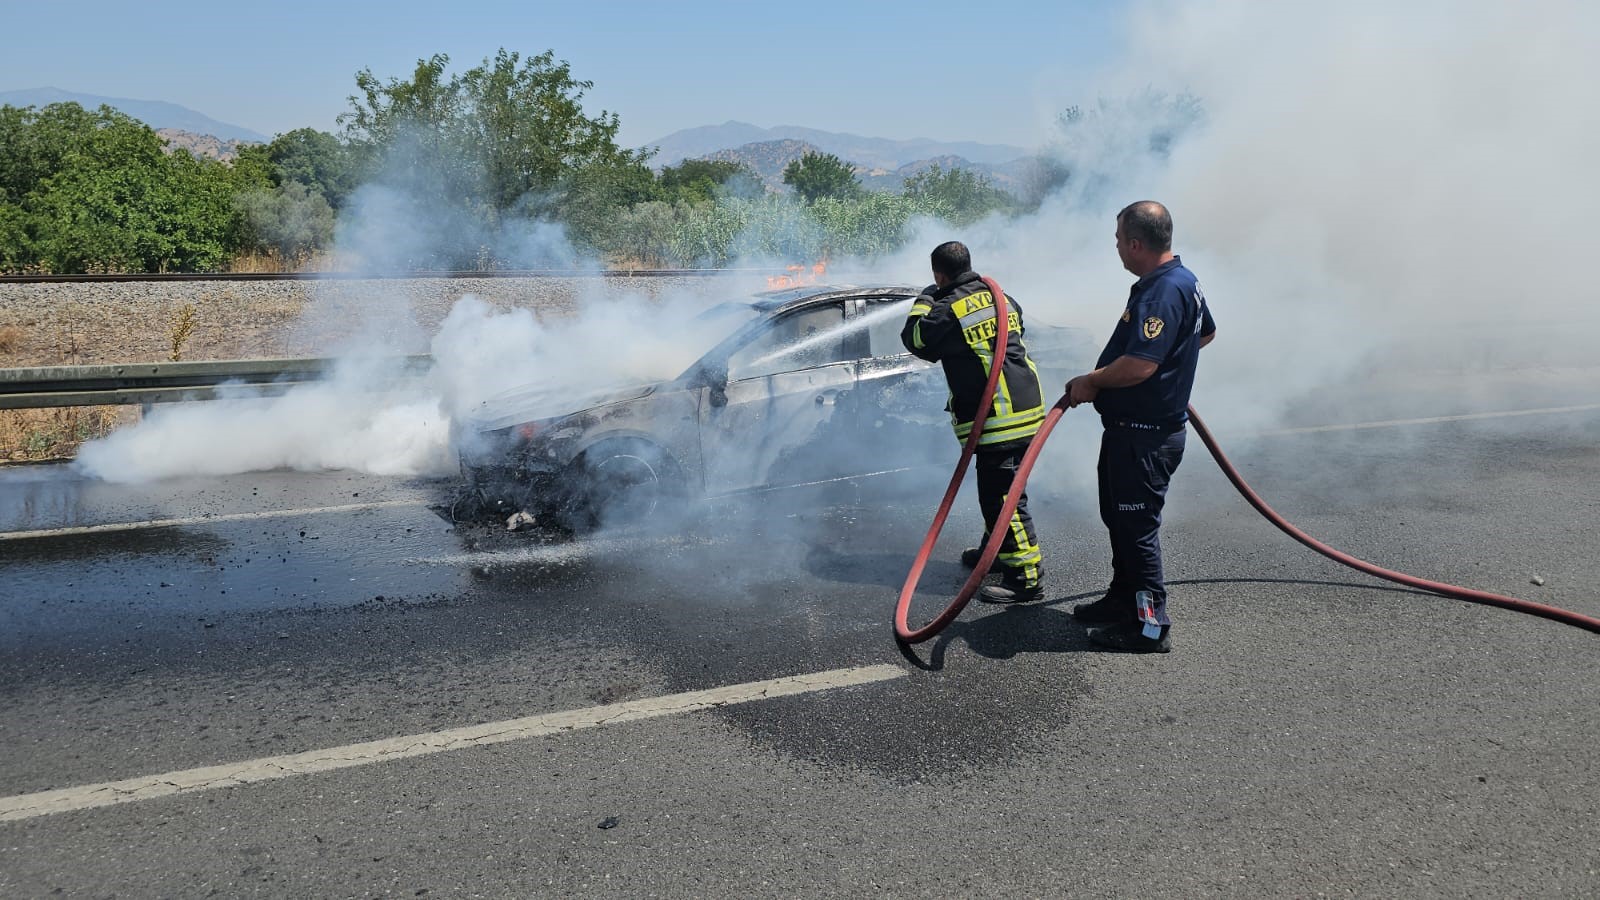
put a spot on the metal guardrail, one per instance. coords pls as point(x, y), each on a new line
point(146, 383)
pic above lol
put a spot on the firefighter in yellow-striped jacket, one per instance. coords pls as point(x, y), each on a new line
point(954, 323)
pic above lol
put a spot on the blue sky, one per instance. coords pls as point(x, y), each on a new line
point(892, 70)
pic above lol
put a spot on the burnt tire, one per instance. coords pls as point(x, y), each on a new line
point(620, 483)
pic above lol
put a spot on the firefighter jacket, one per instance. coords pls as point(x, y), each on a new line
point(955, 326)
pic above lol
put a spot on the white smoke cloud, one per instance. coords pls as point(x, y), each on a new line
point(1367, 183)
point(370, 416)
point(1371, 184)
point(341, 423)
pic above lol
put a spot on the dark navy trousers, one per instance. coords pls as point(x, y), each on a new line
point(1136, 465)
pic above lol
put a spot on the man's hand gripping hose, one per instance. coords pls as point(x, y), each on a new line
point(991, 548)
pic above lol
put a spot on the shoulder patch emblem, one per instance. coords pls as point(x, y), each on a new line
point(1127, 316)
point(1152, 328)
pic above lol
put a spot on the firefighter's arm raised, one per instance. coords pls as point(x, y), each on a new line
point(926, 326)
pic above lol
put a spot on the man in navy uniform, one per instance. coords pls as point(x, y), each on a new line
point(1140, 387)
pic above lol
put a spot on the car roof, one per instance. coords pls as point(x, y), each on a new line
point(798, 297)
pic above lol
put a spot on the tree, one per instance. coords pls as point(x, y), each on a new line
point(313, 159)
point(509, 132)
point(528, 118)
point(35, 142)
point(121, 203)
point(16, 247)
point(505, 140)
point(96, 190)
point(958, 196)
point(645, 235)
point(597, 194)
point(702, 180)
point(291, 220)
point(407, 135)
point(818, 175)
point(426, 102)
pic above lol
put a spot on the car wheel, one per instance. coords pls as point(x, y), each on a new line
point(621, 482)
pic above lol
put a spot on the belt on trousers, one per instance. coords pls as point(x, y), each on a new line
point(1168, 428)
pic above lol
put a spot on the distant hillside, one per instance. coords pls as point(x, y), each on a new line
point(869, 152)
point(201, 144)
point(766, 158)
point(155, 113)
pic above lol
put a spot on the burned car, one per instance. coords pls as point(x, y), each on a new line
point(811, 386)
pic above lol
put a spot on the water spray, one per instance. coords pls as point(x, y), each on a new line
point(991, 548)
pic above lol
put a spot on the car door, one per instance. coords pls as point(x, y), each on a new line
point(786, 404)
point(901, 400)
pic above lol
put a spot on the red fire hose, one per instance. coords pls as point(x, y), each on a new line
point(906, 634)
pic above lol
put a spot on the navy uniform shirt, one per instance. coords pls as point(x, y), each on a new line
point(1165, 319)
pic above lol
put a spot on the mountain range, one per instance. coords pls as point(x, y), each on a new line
point(867, 152)
point(157, 114)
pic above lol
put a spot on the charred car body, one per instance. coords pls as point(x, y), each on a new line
point(811, 386)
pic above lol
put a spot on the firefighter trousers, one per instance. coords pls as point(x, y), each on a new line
point(1019, 551)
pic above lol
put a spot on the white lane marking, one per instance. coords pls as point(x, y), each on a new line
point(203, 520)
point(43, 803)
point(1434, 420)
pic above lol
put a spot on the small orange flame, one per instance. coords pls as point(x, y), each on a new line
point(798, 276)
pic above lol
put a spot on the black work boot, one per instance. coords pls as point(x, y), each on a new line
point(1130, 637)
point(1013, 588)
point(971, 556)
point(1108, 610)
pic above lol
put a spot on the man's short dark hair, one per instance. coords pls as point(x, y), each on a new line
point(1149, 223)
point(951, 259)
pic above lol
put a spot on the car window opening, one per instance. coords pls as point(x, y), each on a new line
point(813, 337)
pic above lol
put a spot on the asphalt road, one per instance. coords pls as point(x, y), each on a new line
point(1313, 732)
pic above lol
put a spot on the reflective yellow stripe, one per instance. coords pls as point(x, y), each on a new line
point(1010, 434)
point(1006, 434)
point(1002, 397)
point(916, 335)
point(1027, 556)
point(1013, 420)
point(1020, 559)
point(920, 309)
point(965, 428)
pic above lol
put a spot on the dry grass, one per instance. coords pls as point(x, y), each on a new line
point(11, 337)
point(272, 262)
point(29, 435)
point(178, 333)
point(41, 434)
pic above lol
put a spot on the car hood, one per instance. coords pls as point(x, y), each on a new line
point(535, 402)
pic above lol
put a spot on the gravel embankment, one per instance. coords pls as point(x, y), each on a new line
point(81, 324)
